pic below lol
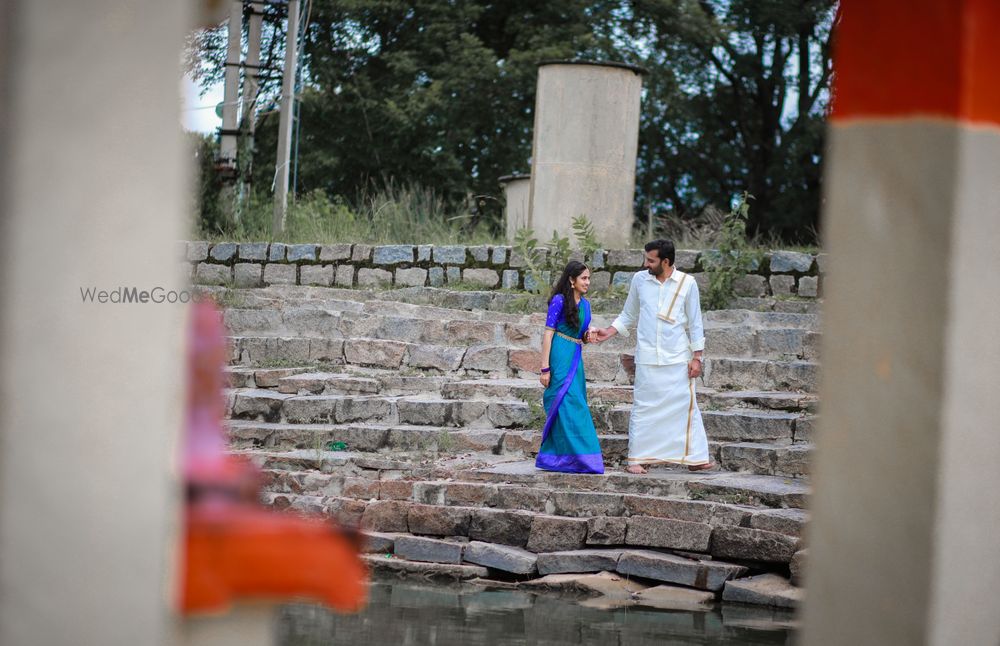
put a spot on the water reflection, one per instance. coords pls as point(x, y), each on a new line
point(405, 613)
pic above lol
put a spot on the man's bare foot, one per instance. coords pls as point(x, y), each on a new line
point(702, 467)
point(636, 469)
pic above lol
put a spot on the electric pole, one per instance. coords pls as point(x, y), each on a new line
point(251, 82)
point(226, 162)
point(286, 121)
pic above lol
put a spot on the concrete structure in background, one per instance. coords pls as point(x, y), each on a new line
point(903, 541)
point(583, 158)
point(516, 191)
point(92, 195)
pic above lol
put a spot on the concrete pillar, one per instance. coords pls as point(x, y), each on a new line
point(516, 190)
point(584, 151)
point(93, 195)
point(903, 541)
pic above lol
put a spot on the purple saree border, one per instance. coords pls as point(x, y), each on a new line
point(584, 463)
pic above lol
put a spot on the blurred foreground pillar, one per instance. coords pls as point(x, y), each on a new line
point(903, 542)
point(92, 196)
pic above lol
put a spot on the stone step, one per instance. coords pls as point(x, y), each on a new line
point(645, 523)
point(674, 482)
point(399, 440)
point(751, 338)
point(731, 425)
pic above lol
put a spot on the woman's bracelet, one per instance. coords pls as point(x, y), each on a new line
point(544, 370)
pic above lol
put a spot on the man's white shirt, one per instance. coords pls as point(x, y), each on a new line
point(658, 341)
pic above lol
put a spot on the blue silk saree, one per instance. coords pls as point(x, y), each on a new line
point(569, 439)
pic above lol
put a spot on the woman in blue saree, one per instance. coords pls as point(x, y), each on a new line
point(569, 439)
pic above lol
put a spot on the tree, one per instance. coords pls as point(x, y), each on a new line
point(735, 101)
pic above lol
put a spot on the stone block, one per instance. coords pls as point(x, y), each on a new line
point(704, 575)
point(557, 534)
point(481, 277)
point(418, 548)
point(345, 276)
point(821, 262)
point(597, 260)
point(276, 252)
point(669, 597)
point(253, 251)
point(686, 259)
point(500, 526)
point(809, 286)
point(206, 274)
point(362, 488)
point(374, 278)
point(480, 253)
point(587, 503)
point(517, 261)
point(424, 252)
point(605, 530)
point(248, 274)
point(510, 279)
point(786, 262)
point(622, 278)
point(578, 561)
point(454, 275)
point(345, 511)
point(501, 557)
point(781, 285)
point(694, 511)
point(435, 276)
point(449, 255)
point(763, 590)
point(527, 360)
point(278, 274)
point(600, 280)
point(442, 357)
point(471, 493)
point(375, 352)
point(487, 358)
point(530, 284)
point(377, 542)
point(385, 516)
point(499, 255)
point(753, 544)
point(334, 252)
point(197, 251)
point(782, 521)
point(392, 254)
point(395, 490)
point(412, 277)
point(805, 428)
point(224, 252)
point(628, 258)
point(750, 285)
point(302, 253)
point(665, 532)
point(361, 253)
point(518, 497)
point(321, 275)
point(440, 412)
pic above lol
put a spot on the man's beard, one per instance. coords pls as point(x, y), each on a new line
point(657, 271)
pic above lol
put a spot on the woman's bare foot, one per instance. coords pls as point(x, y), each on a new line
point(636, 469)
point(702, 467)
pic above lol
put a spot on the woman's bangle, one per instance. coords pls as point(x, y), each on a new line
point(544, 370)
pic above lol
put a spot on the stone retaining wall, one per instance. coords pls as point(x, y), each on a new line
point(257, 264)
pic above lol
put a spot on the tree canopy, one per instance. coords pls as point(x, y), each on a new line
point(440, 93)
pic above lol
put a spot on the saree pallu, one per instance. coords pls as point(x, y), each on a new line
point(569, 439)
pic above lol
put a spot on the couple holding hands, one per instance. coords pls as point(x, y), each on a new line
point(665, 425)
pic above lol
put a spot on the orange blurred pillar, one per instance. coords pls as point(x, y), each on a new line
point(903, 542)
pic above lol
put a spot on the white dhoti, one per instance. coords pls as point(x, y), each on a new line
point(666, 424)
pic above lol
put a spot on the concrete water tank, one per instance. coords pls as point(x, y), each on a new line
point(585, 142)
point(516, 189)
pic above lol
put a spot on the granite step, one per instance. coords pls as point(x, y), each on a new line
point(731, 425)
point(670, 481)
point(651, 524)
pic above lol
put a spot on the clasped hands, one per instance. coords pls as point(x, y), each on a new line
point(597, 335)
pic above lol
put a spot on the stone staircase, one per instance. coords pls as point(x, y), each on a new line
point(414, 419)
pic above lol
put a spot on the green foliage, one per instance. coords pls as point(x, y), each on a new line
point(586, 237)
point(536, 414)
point(526, 246)
point(441, 94)
point(732, 258)
point(558, 254)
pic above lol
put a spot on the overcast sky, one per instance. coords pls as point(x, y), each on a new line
point(198, 112)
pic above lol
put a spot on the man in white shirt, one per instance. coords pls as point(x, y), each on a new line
point(663, 305)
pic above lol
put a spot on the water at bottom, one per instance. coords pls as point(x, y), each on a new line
point(403, 613)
